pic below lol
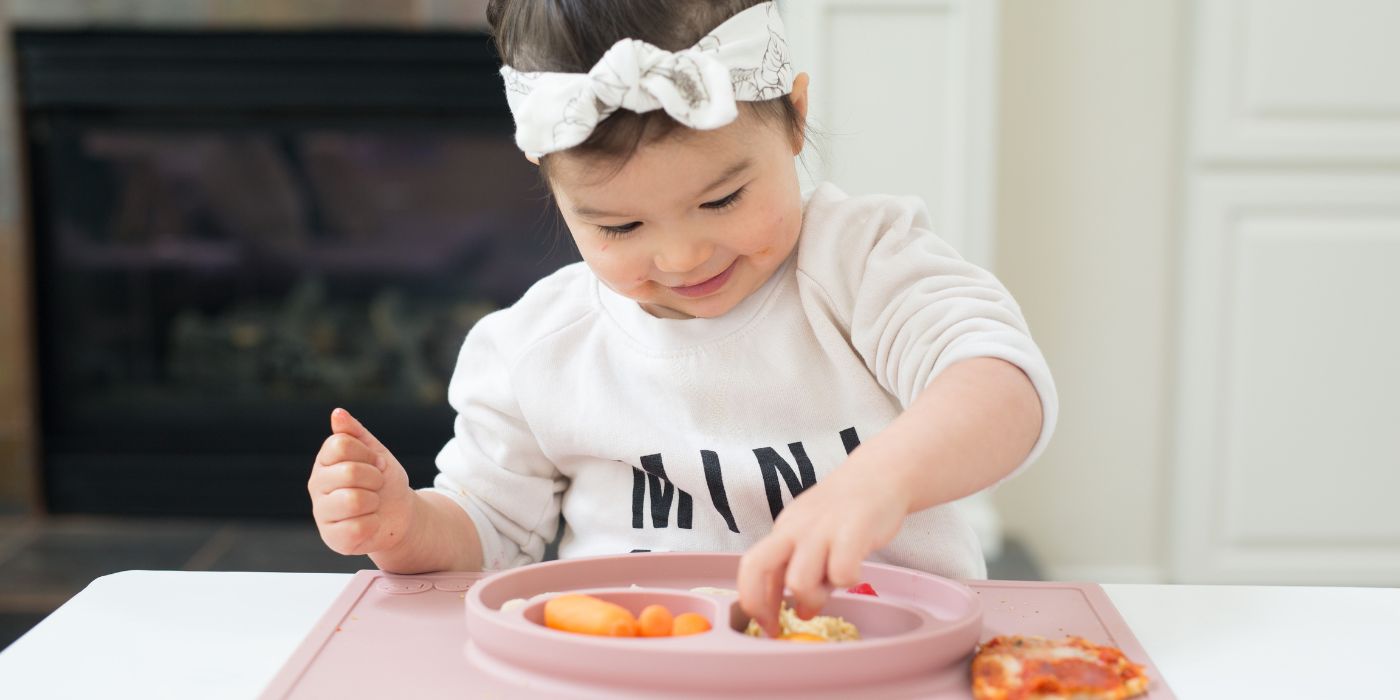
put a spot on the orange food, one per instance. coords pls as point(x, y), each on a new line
point(802, 637)
point(655, 621)
point(689, 623)
point(584, 614)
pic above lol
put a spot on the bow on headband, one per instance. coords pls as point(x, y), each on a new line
point(743, 59)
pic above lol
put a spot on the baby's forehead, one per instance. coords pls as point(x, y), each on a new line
point(693, 152)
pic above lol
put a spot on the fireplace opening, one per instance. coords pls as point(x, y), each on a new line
point(235, 232)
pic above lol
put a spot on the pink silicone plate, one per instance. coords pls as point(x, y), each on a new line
point(404, 634)
point(899, 639)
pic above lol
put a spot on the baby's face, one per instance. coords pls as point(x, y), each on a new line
point(692, 224)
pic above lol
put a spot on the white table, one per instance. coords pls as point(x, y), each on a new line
point(181, 634)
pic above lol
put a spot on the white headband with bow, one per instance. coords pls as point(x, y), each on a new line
point(743, 59)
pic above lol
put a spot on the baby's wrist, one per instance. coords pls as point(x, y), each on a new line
point(873, 482)
point(401, 534)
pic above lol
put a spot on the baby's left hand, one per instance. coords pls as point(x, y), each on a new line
point(820, 539)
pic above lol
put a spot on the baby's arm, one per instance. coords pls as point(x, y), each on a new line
point(505, 491)
point(943, 337)
point(973, 424)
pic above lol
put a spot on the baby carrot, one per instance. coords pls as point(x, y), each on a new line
point(585, 614)
point(655, 621)
point(689, 623)
point(801, 637)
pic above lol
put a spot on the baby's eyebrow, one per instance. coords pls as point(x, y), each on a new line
point(729, 172)
point(591, 213)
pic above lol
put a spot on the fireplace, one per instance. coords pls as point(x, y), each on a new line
point(235, 232)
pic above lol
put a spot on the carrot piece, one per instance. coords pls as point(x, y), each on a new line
point(655, 621)
point(689, 623)
point(801, 637)
point(585, 614)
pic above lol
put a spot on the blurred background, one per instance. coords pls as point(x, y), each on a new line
point(220, 219)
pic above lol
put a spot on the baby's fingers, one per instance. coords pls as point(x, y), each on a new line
point(806, 577)
point(844, 562)
point(352, 536)
point(344, 423)
point(344, 475)
point(761, 581)
point(344, 504)
point(341, 447)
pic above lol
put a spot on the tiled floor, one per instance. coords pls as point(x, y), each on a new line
point(45, 562)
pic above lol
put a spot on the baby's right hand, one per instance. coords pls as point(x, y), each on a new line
point(360, 495)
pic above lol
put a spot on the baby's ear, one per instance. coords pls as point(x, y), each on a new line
point(800, 83)
point(798, 96)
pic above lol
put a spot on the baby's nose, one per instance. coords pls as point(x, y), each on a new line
point(683, 256)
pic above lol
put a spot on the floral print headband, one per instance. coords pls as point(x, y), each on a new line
point(743, 59)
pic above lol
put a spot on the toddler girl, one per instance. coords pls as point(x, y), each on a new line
point(732, 367)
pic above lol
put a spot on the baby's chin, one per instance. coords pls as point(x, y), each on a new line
point(686, 309)
point(682, 313)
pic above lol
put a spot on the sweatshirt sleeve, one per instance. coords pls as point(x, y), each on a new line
point(911, 304)
point(493, 466)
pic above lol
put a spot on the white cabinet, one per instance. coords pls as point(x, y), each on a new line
point(1287, 464)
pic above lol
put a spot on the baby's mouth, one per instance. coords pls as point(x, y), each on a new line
point(709, 286)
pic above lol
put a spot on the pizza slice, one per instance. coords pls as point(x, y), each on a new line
point(1016, 667)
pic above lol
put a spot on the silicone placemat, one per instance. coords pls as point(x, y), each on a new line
point(418, 635)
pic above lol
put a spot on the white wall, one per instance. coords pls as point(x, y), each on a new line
point(1088, 144)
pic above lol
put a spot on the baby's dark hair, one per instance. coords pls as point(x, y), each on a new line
point(570, 36)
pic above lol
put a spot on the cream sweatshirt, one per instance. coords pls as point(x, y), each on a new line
point(654, 434)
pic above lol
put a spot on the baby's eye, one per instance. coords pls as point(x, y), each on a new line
point(725, 202)
point(622, 230)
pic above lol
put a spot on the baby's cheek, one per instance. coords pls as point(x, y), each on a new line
point(625, 279)
point(781, 238)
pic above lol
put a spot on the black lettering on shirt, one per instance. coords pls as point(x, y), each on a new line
point(771, 465)
point(850, 440)
point(662, 493)
point(714, 478)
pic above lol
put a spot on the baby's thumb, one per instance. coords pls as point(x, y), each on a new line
point(343, 422)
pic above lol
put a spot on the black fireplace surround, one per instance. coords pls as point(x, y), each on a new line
point(235, 232)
